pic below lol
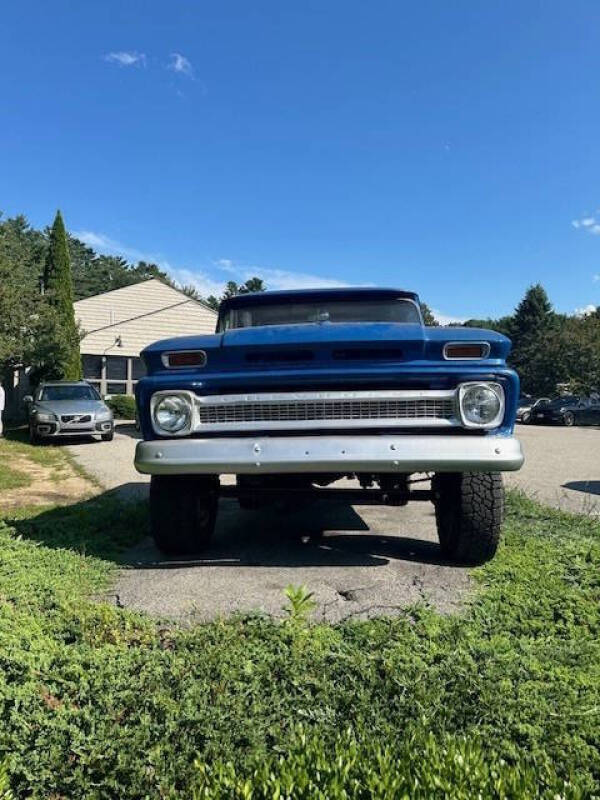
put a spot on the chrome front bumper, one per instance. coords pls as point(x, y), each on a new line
point(345, 454)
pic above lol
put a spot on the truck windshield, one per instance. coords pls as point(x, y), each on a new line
point(401, 310)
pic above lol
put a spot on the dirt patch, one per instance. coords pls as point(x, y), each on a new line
point(56, 484)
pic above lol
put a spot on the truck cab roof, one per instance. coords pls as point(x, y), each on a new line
point(312, 295)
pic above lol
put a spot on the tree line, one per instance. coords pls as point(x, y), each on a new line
point(549, 349)
point(37, 319)
point(43, 272)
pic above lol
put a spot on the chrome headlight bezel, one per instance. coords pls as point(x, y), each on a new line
point(491, 386)
point(185, 400)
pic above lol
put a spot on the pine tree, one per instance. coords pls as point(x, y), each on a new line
point(533, 312)
point(533, 330)
point(252, 285)
point(58, 285)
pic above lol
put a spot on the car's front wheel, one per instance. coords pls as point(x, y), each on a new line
point(34, 438)
point(568, 419)
point(107, 437)
point(469, 511)
point(183, 512)
point(526, 417)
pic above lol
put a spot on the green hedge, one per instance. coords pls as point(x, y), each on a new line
point(122, 405)
point(413, 766)
point(498, 701)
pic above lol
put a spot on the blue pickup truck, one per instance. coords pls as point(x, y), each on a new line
point(298, 389)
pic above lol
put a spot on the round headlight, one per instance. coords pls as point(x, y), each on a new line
point(482, 404)
point(172, 413)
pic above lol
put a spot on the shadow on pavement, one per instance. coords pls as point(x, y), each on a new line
point(127, 428)
point(115, 528)
point(589, 487)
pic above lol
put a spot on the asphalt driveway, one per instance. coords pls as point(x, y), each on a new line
point(359, 561)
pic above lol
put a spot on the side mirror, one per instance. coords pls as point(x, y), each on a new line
point(28, 399)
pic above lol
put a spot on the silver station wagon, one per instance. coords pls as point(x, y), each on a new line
point(68, 408)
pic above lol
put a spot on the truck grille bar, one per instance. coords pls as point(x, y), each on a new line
point(427, 408)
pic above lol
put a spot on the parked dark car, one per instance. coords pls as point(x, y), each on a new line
point(588, 413)
point(569, 410)
point(527, 407)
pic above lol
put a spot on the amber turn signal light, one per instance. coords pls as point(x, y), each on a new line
point(469, 350)
point(184, 358)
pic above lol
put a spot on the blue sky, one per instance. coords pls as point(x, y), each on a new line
point(450, 148)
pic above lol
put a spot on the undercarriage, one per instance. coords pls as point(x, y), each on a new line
point(469, 506)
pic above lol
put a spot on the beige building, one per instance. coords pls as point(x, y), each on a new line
point(118, 325)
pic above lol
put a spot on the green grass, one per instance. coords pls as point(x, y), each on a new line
point(11, 478)
point(96, 702)
point(16, 442)
point(55, 457)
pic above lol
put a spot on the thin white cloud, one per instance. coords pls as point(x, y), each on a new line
point(596, 278)
point(588, 223)
point(203, 283)
point(179, 63)
point(585, 311)
point(126, 58)
point(208, 283)
point(278, 278)
point(448, 319)
point(284, 279)
point(104, 244)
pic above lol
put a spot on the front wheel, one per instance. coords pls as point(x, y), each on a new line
point(568, 419)
point(183, 512)
point(107, 437)
point(34, 438)
point(469, 510)
point(526, 418)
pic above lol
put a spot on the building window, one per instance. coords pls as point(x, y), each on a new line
point(138, 369)
point(116, 388)
point(116, 368)
point(92, 367)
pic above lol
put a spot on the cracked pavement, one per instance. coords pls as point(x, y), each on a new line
point(360, 561)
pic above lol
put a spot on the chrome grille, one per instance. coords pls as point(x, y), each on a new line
point(327, 409)
point(76, 418)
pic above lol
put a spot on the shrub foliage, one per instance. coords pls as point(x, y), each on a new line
point(500, 701)
point(122, 405)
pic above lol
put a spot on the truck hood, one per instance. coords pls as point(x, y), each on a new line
point(319, 345)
